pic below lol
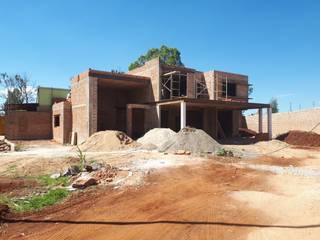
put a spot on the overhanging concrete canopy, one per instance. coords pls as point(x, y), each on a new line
point(219, 104)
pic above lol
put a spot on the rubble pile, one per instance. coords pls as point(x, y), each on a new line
point(300, 138)
point(108, 141)
point(93, 174)
point(4, 146)
point(105, 175)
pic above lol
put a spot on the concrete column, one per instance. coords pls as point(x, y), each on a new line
point(183, 114)
point(260, 113)
point(159, 115)
point(129, 121)
point(270, 123)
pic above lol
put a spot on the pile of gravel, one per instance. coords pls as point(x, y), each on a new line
point(192, 140)
point(156, 137)
point(108, 141)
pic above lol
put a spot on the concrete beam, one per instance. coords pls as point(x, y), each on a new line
point(141, 106)
point(183, 114)
point(270, 123)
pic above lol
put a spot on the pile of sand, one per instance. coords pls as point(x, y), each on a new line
point(108, 141)
point(300, 138)
point(156, 136)
point(192, 140)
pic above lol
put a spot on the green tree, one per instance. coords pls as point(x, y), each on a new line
point(274, 105)
point(16, 89)
point(167, 55)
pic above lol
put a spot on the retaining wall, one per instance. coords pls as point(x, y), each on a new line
point(302, 120)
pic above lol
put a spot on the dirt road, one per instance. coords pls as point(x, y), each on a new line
point(187, 198)
point(183, 203)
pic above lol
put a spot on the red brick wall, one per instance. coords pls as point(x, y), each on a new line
point(152, 70)
point(23, 125)
point(80, 108)
point(62, 132)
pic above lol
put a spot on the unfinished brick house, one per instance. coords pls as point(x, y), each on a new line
point(154, 95)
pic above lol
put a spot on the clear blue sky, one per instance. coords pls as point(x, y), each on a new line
point(277, 43)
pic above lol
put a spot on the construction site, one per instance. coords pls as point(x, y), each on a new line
point(161, 152)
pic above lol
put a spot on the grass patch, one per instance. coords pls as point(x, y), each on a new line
point(11, 170)
point(35, 203)
point(224, 153)
point(51, 182)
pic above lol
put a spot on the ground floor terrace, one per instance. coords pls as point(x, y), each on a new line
point(220, 119)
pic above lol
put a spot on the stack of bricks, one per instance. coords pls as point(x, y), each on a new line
point(4, 147)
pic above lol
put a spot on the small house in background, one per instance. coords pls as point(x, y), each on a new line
point(47, 96)
point(33, 120)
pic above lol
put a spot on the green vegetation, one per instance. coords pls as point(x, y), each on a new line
point(167, 55)
point(11, 169)
point(224, 153)
point(35, 203)
point(46, 180)
point(82, 158)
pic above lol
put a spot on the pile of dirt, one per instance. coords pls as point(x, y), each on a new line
point(190, 140)
point(156, 136)
point(108, 141)
point(300, 138)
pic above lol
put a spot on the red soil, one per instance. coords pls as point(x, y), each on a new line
point(184, 203)
point(8, 185)
point(301, 138)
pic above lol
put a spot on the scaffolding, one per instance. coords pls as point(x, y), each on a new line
point(171, 84)
point(201, 88)
point(221, 87)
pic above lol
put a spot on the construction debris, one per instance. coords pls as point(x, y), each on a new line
point(5, 145)
point(192, 140)
point(300, 138)
point(72, 171)
point(97, 174)
point(156, 136)
point(182, 152)
point(108, 141)
point(84, 180)
point(105, 175)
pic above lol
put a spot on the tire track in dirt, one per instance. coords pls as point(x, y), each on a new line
point(194, 198)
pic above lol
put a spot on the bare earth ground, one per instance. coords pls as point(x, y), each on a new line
point(273, 196)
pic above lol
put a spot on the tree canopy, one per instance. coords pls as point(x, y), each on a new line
point(274, 105)
point(167, 55)
point(17, 89)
